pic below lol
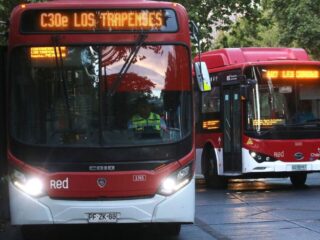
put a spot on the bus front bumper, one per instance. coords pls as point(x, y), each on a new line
point(249, 165)
point(178, 207)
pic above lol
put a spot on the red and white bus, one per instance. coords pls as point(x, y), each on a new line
point(75, 72)
point(261, 117)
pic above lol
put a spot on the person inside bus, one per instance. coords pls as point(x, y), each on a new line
point(304, 113)
point(145, 122)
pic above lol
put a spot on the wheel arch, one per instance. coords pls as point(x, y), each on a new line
point(204, 157)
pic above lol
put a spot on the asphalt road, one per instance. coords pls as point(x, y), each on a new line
point(248, 209)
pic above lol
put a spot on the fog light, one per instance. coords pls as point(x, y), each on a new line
point(253, 154)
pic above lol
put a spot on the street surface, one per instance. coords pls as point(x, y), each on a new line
point(248, 209)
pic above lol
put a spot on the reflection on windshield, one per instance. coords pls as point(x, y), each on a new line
point(90, 63)
point(283, 103)
point(157, 75)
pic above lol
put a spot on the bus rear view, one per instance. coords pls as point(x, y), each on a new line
point(79, 152)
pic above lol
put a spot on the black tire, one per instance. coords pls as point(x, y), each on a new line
point(210, 171)
point(32, 232)
point(298, 180)
point(171, 229)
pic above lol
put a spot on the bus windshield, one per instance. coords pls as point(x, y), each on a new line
point(91, 95)
point(287, 97)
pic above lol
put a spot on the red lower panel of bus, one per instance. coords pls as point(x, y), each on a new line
point(285, 150)
point(88, 185)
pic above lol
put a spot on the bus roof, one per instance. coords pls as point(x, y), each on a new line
point(243, 56)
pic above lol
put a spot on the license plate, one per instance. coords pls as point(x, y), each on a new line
point(109, 217)
point(300, 167)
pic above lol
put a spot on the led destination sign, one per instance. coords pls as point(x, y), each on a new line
point(48, 52)
point(287, 74)
point(105, 20)
point(153, 20)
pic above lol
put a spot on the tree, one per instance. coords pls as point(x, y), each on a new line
point(279, 23)
point(299, 23)
point(6, 7)
point(217, 14)
point(5, 11)
point(262, 32)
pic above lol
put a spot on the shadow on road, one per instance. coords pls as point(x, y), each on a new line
point(101, 232)
point(259, 185)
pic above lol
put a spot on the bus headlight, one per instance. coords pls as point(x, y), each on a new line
point(33, 186)
point(260, 157)
point(176, 181)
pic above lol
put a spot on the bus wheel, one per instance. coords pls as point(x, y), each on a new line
point(32, 232)
point(213, 180)
point(298, 180)
point(171, 229)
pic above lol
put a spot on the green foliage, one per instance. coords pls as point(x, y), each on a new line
point(262, 32)
point(299, 23)
point(6, 7)
point(5, 10)
point(211, 14)
point(288, 23)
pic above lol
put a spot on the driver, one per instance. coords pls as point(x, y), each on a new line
point(305, 112)
point(145, 118)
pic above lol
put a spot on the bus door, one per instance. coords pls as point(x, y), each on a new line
point(231, 119)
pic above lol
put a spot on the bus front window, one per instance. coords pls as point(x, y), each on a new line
point(282, 102)
point(73, 96)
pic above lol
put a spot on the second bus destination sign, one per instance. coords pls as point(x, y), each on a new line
point(106, 20)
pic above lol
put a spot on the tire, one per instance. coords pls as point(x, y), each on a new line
point(210, 171)
point(298, 180)
point(171, 229)
point(32, 232)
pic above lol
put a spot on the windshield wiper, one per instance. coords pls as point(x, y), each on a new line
point(61, 74)
point(127, 64)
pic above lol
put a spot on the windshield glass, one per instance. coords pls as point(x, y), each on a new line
point(284, 96)
point(71, 95)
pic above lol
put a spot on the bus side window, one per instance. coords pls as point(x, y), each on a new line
point(211, 101)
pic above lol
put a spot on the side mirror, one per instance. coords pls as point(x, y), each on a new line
point(245, 90)
point(251, 82)
point(202, 76)
point(247, 87)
